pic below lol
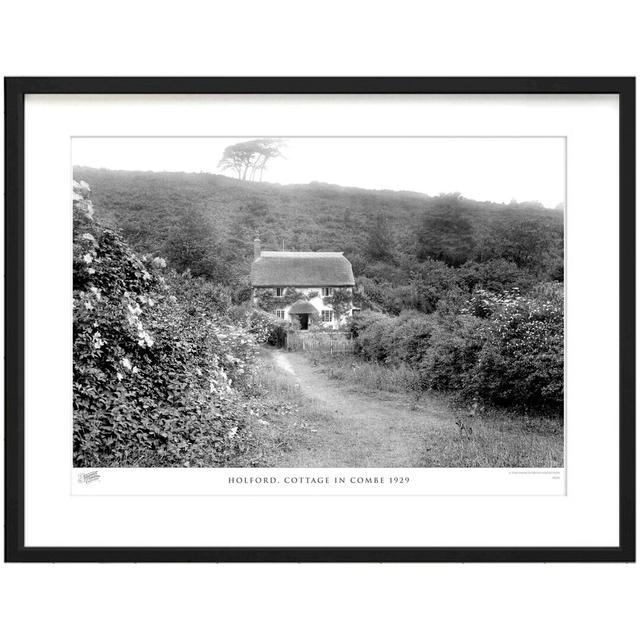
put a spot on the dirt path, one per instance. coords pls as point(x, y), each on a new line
point(356, 429)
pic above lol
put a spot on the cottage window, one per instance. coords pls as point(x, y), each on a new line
point(280, 313)
point(327, 291)
point(279, 292)
point(327, 315)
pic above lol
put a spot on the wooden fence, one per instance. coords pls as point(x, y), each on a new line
point(323, 341)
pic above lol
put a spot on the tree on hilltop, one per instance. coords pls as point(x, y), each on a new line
point(249, 159)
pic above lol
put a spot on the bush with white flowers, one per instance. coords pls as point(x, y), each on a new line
point(154, 371)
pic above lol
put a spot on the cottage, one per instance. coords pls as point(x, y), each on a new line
point(305, 287)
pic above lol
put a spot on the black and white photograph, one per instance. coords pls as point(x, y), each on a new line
point(318, 302)
point(320, 320)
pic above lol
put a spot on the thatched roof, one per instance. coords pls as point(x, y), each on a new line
point(302, 306)
point(301, 269)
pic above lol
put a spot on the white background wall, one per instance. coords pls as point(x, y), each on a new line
point(545, 37)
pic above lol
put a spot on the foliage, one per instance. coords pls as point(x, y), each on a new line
point(428, 285)
point(492, 437)
point(197, 294)
point(267, 328)
point(408, 250)
point(340, 301)
point(465, 292)
point(267, 300)
point(154, 374)
point(495, 275)
point(446, 234)
point(453, 351)
point(506, 349)
point(380, 239)
point(194, 247)
point(531, 243)
point(522, 357)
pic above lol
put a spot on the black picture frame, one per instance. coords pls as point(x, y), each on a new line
point(15, 91)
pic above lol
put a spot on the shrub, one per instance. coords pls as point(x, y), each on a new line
point(154, 372)
point(522, 358)
point(506, 349)
point(496, 275)
point(267, 328)
point(361, 327)
point(411, 338)
point(452, 354)
point(361, 320)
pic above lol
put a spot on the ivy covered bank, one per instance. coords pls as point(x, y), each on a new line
point(158, 373)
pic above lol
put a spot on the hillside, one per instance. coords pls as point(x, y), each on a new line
point(454, 296)
point(207, 223)
point(168, 371)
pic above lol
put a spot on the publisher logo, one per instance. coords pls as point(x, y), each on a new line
point(88, 477)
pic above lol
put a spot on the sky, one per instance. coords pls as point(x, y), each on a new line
point(494, 169)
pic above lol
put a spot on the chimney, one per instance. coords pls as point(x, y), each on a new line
point(256, 248)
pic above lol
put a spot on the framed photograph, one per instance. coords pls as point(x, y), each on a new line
point(320, 319)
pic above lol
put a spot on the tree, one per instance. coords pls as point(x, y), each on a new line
point(249, 159)
point(380, 239)
point(446, 233)
point(529, 243)
point(193, 246)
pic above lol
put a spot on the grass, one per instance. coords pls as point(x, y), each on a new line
point(496, 440)
point(292, 429)
point(285, 419)
point(490, 438)
point(368, 375)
